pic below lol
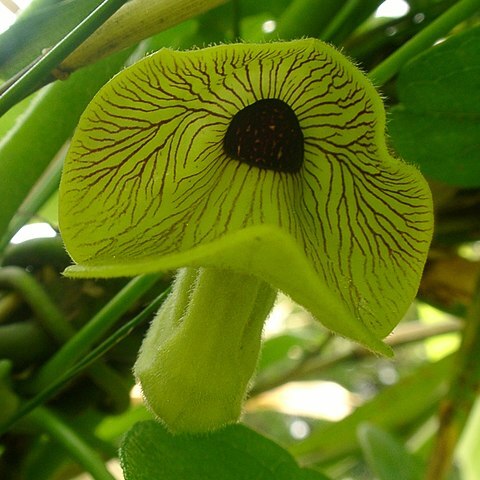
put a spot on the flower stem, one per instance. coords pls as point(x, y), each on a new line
point(72, 442)
point(202, 348)
point(423, 40)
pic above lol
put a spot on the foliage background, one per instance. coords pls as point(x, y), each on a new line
point(401, 418)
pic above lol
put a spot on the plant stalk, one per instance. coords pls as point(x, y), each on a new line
point(137, 20)
point(202, 348)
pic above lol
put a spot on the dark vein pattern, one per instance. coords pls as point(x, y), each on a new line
point(147, 173)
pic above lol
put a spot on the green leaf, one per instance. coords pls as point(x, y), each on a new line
point(437, 124)
point(235, 453)
point(154, 181)
point(386, 455)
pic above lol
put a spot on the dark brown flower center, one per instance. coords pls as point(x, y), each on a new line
point(266, 134)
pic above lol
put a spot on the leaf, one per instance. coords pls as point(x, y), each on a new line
point(149, 452)
point(387, 457)
point(437, 124)
point(154, 180)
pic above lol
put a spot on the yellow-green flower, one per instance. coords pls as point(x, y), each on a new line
point(265, 164)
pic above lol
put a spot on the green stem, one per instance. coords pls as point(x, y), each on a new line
point(72, 351)
point(423, 40)
point(236, 18)
point(9, 302)
point(350, 16)
point(202, 348)
point(72, 442)
point(310, 366)
point(297, 19)
point(86, 361)
point(40, 69)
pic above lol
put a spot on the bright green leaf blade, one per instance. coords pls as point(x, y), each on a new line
point(387, 457)
point(235, 453)
point(445, 147)
point(149, 181)
point(437, 123)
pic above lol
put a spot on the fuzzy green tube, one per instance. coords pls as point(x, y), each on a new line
point(201, 350)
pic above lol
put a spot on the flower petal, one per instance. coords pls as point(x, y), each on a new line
point(149, 177)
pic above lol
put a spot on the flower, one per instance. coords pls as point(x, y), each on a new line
point(267, 160)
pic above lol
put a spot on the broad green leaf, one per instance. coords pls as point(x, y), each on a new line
point(386, 455)
point(265, 159)
point(8, 120)
point(235, 453)
point(437, 124)
point(393, 408)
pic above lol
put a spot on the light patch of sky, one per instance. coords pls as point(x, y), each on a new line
point(269, 26)
point(392, 9)
point(34, 230)
point(7, 17)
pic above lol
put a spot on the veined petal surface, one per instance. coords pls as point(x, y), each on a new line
point(150, 180)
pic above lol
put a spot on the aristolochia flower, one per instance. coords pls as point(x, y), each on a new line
point(258, 167)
